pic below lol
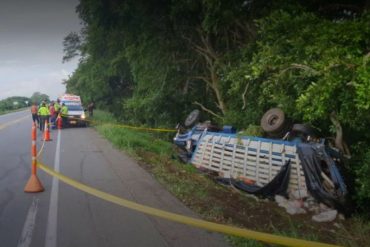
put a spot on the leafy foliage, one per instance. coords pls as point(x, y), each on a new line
point(13, 103)
point(38, 97)
point(72, 46)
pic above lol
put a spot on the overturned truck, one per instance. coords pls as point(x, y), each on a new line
point(266, 166)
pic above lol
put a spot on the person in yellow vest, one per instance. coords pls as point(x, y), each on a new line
point(57, 107)
point(64, 114)
point(44, 114)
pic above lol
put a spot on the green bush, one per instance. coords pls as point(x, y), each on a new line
point(362, 182)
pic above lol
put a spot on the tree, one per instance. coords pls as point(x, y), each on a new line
point(38, 97)
point(12, 103)
point(71, 46)
point(152, 62)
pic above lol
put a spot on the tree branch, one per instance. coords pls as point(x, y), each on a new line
point(195, 46)
point(243, 96)
point(304, 67)
point(207, 110)
point(339, 142)
point(203, 78)
point(208, 47)
point(299, 66)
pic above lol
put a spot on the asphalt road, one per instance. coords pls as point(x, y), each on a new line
point(64, 216)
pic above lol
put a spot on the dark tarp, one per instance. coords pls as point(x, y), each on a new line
point(315, 160)
point(277, 186)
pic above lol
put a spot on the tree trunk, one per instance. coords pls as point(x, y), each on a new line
point(339, 142)
point(212, 63)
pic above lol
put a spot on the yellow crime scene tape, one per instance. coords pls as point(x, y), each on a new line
point(130, 126)
point(230, 230)
point(142, 128)
point(41, 149)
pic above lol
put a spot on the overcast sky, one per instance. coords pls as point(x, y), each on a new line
point(31, 46)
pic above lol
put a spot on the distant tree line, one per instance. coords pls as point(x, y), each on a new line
point(14, 103)
point(18, 102)
point(152, 62)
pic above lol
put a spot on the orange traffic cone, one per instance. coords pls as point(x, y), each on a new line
point(59, 122)
point(33, 185)
point(47, 132)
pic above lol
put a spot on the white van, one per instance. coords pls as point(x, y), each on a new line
point(76, 112)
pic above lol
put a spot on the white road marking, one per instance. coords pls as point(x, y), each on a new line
point(51, 229)
point(29, 225)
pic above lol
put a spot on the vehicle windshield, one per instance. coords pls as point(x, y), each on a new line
point(74, 107)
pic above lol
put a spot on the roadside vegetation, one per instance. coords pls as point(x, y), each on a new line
point(220, 203)
point(13, 104)
point(151, 63)
point(16, 103)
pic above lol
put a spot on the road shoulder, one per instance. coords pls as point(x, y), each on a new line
point(146, 190)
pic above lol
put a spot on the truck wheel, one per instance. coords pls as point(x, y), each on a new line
point(192, 118)
point(273, 121)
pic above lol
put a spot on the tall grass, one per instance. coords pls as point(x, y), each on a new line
point(128, 139)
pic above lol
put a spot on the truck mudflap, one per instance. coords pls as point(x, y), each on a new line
point(323, 178)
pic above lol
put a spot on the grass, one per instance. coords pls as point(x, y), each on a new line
point(133, 140)
point(242, 242)
point(217, 203)
point(293, 232)
point(357, 235)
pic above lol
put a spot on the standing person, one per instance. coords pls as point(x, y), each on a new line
point(43, 115)
point(57, 107)
point(34, 111)
point(52, 114)
point(90, 108)
point(64, 114)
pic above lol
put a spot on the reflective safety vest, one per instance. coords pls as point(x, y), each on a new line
point(56, 106)
point(64, 111)
point(44, 111)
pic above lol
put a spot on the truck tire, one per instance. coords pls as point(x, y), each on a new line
point(273, 121)
point(192, 118)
